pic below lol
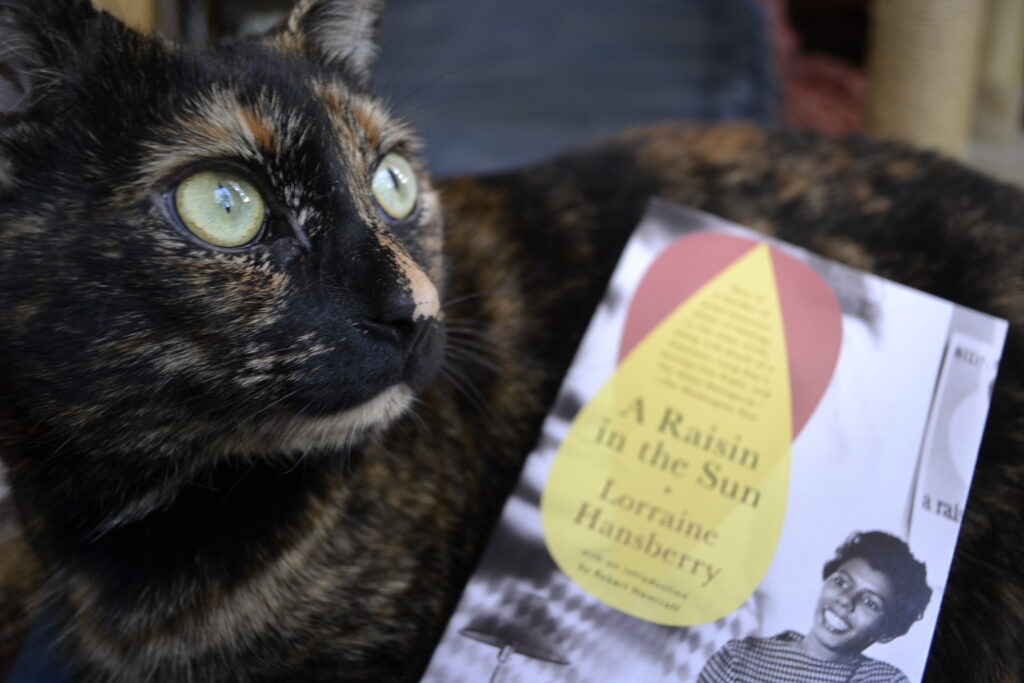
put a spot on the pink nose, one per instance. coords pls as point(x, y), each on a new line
point(424, 296)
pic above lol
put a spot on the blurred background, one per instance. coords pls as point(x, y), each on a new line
point(493, 84)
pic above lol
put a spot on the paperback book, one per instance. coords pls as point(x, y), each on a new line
point(755, 469)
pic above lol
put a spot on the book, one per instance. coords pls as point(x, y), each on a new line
point(756, 468)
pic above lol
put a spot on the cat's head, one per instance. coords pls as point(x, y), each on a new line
point(235, 249)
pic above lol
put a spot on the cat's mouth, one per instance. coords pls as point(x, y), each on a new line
point(410, 352)
point(370, 361)
point(423, 357)
point(365, 402)
point(283, 435)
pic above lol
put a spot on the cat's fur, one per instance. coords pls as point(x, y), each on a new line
point(234, 466)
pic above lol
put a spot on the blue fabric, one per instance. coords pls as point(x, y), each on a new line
point(494, 84)
point(37, 663)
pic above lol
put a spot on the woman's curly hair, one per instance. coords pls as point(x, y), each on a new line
point(892, 557)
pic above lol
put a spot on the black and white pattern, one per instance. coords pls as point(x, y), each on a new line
point(777, 659)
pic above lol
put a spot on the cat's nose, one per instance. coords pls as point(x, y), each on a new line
point(417, 340)
point(403, 313)
point(409, 335)
point(426, 302)
point(408, 314)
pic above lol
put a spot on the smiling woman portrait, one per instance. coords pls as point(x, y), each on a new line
point(874, 591)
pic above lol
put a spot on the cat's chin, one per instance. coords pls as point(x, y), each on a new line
point(299, 434)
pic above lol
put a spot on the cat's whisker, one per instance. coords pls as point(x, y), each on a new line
point(465, 388)
point(410, 57)
point(465, 323)
point(483, 328)
point(269, 406)
point(64, 443)
point(484, 342)
point(437, 103)
point(462, 355)
point(478, 338)
point(445, 305)
point(467, 350)
point(490, 365)
point(234, 486)
point(298, 461)
point(431, 81)
point(413, 415)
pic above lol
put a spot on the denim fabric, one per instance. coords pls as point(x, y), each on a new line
point(494, 84)
point(37, 663)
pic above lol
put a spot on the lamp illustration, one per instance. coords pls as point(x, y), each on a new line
point(517, 633)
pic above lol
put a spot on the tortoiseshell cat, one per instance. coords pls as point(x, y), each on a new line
point(264, 386)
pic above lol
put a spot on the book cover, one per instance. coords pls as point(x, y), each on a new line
point(755, 469)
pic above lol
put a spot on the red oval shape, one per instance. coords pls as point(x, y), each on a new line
point(811, 314)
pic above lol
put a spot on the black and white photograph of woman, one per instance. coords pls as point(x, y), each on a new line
point(874, 590)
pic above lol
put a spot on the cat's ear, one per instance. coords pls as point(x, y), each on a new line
point(37, 40)
point(341, 33)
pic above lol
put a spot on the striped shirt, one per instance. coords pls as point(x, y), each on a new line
point(776, 660)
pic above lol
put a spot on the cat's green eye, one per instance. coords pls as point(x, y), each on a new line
point(220, 207)
point(394, 186)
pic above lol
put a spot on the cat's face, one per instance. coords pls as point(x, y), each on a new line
point(236, 248)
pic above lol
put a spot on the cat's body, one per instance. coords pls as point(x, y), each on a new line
point(242, 463)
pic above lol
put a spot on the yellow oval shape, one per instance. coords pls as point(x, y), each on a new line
point(667, 497)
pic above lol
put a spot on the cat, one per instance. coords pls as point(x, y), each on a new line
point(265, 383)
